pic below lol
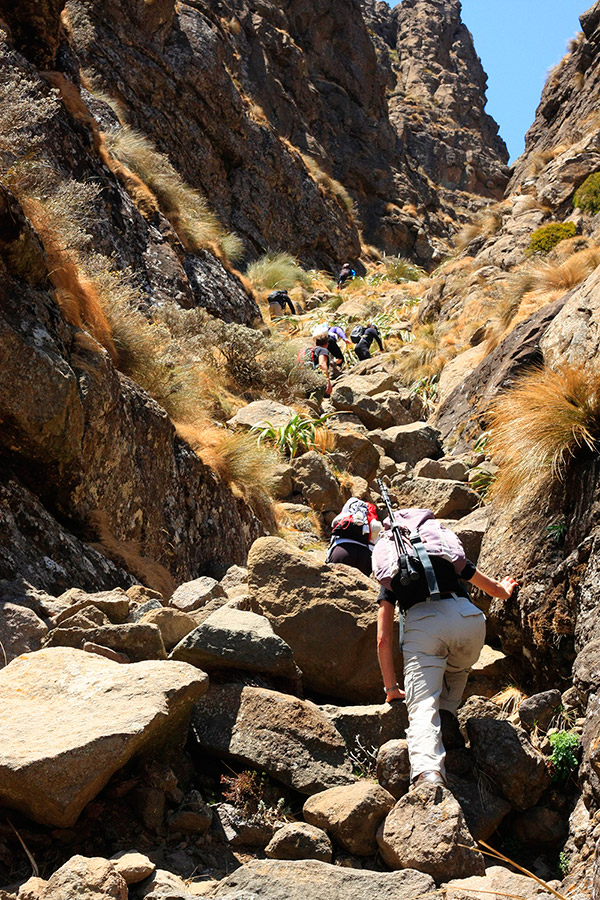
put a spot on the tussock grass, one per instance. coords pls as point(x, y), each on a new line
point(23, 110)
point(485, 224)
point(277, 271)
point(128, 554)
point(240, 463)
point(540, 425)
point(329, 184)
point(187, 210)
point(509, 700)
point(426, 358)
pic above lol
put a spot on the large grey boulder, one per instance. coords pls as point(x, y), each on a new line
point(446, 499)
point(426, 830)
point(71, 719)
point(195, 594)
point(327, 615)
point(370, 385)
point(288, 738)
point(21, 631)
point(412, 442)
point(262, 412)
point(359, 456)
point(232, 638)
point(350, 814)
point(371, 412)
point(365, 728)
point(539, 709)
point(503, 751)
point(312, 477)
point(300, 880)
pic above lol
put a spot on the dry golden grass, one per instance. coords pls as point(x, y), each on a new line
point(23, 109)
point(509, 699)
point(328, 183)
point(240, 462)
point(128, 554)
point(427, 357)
point(187, 210)
point(277, 271)
point(539, 425)
point(485, 224)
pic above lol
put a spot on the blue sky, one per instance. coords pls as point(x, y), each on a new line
point(518, 41)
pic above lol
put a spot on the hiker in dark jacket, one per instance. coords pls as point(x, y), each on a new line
point(347, 273)
point(278, 300)
point(363, 348)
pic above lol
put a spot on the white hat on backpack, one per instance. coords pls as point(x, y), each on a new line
point(321, 330)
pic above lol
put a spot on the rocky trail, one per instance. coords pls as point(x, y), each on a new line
point(190, 699)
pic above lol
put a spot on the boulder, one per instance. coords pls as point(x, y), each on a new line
point(21, 631)
point(360, 457)
point(426, 830)
point(313, 478)
point(232, 638)
point(393, 767)
point(132, 866)
point(163, 885)
point(140, 611)
point(299, 840)
point(290, 739)
point(86, 878)
point(194, 594)
point(243, 830)
point(413, 442)
point(234, 577)
point(496, 879)
point(350, 814)
point(298, 880)
point(138, 641)
point(90, 647)
point(446, 499)
point(282, 481)
point(371, 412)
point(483, 809)
point(541, 827)
point(471, 529)
point(327, 615)
point(173, 624)
point(503, 752)
point(448, 468)
point(586, 668)
point(262, 412)
point(139, 593)
point(395, 406)
point(365, 728)
point(377, 383)
point(73, 718)
point(538, 709)
point(114, 604)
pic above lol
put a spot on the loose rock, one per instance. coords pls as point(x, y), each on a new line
point(351, 815)
point(299, 840)
point(194, 594)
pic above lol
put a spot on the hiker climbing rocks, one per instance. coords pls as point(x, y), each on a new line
point(363, 337)
point(443, 631)
point(278, 300)
point(347, 273)
point(320, 353)
point(353, 534)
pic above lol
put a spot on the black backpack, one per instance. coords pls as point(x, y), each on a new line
point(357, 333)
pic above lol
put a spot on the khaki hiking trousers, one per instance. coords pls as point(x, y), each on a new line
point(442, 640)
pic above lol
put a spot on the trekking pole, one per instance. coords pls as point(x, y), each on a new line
point(406, 572)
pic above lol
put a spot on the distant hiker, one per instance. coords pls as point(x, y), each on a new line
point(347, 273)
point(335, 353)
point(338, 334)
point(362, 337)
point(320, 353)
point(353, 534)
point(278, 300)
point(443, 631)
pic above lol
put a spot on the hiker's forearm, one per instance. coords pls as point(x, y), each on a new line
point(501, 589)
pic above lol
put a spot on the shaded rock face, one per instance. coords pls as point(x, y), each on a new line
point(57, 756)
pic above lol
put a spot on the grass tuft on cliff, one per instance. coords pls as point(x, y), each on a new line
point(485, 224)
point(542, 423)
point(187, 210)
point(327, 183)
point(277, 271)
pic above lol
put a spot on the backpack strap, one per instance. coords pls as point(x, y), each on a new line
point(432, 585)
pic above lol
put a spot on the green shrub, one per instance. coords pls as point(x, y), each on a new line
point(587, 196)
point(564, 754)
point(548, 236)
point(399, 270)
point(277, 270)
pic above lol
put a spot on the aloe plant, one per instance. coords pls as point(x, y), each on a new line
point(296, 436)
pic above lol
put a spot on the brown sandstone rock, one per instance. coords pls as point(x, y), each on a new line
point(496, 878)
point(326, 614)
point(262, 412)
point(195, 594)
point(56, 755)
point(21, 631)
point(446, 499)
point(132, 866)
point(358, 453)
point(173, 624)
point(426, 830)
point(297, 880)
point(290, 739)
point(299, 840)
point(138, 641)
point(351, 815)
point(412, 442)
point(393, 767)
point(85, 878)
point(313, 478)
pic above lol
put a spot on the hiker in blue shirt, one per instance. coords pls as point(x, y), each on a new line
point(347, 273)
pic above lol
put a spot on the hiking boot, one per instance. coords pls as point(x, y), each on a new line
point(429, 778)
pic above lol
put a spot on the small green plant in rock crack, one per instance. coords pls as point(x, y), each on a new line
point(482, 481)
point(254, 796)
point(564, 754)
point(297, 435)
point(481, 442)
point(564, 862)
point(557, 530)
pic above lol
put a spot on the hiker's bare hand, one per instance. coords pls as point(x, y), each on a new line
point(396, 694)
point(508, 585)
